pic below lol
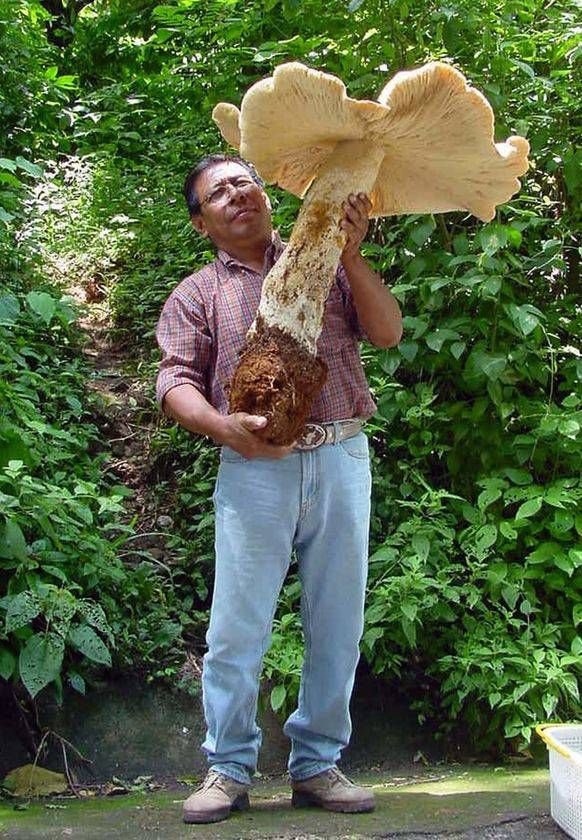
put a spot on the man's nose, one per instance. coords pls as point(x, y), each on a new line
point(235, 193)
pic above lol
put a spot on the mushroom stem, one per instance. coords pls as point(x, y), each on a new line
point(278, 374)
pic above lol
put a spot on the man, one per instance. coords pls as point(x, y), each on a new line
point(271, 500)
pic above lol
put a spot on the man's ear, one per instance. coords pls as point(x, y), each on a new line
point(267, 201)
point(198, 224)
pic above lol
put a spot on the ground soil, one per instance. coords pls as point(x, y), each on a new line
point(455, 803)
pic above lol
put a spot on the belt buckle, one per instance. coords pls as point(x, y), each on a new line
point(313, 436)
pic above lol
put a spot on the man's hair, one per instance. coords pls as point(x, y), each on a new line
point(190, 193)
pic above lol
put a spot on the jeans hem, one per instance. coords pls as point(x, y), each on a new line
point(313, 769)
point(242, 777)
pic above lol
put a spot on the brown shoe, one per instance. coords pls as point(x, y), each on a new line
point(332, 791)
point(215, 799)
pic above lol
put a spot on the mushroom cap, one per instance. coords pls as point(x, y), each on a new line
point(227, 117)
point(436, 132)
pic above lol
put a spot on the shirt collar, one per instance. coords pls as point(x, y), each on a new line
point(272, 254)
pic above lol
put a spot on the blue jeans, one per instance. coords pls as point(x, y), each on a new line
point(318, 503)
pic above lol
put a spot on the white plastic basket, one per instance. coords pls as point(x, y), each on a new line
point(564, 742)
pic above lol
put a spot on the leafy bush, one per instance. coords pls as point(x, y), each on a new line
point(68, 599)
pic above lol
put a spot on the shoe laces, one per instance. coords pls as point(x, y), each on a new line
point(336, 777)
point(213, 779)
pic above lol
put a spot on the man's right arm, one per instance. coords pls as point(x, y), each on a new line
point(186, 405)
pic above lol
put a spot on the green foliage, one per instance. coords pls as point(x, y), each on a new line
point(283, 661)
point(475, 596)
point(68, 600)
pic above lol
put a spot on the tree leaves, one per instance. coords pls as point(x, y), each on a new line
point(86, 640)
point(21, 609)
point(40, 661)
point(42, 304)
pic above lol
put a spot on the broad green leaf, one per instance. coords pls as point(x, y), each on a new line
point(457, 349)
point(461, 244)
point(526, 317)
point(7, 663)
point(569, 428)
point(546, 552)
point(7, 163)
point(481, 364)
point(494, 699)
point(491, 287)
point(66, 82)
point(419, 325)
point(577, 614)
point(409, 630)
point(12, 542)
point(59, 606)
point(564, 563)
point(9, 309)
point(375, 613)
point(487, 497)
point(76, 681)
point(22, 608)
point(278, 695)
point(372, 635)
point(557, 496)
point(94, 615)
point(572, 161)
point(492, 238)
point(485, 537)
point(409, 609)
point(436, 339)
point(549, 702)
point(526, 68)
point(422, 231)
point(562, 522)
point(510, 594)
point(42, 304)
point(421, 545)
point(497, 573)
point(28, 167)
point(40, 661)
point(408, 349)
point(520, 477)
point(86, 640)
point(529, 508)
point(508, 530)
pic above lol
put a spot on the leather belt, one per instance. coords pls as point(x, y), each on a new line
point(319, 434)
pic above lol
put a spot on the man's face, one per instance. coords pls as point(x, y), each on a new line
point(233, 208)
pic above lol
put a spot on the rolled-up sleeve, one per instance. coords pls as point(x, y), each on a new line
point(186, 344)
point(349, 305)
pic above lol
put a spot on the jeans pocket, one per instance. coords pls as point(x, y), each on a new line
point(356, 447)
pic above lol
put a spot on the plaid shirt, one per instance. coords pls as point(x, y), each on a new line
point(203, 326)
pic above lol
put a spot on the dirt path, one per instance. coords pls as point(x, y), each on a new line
point(127, 418)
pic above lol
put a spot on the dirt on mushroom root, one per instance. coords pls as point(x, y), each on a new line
point(277, 379)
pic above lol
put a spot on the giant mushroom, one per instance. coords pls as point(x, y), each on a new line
point(425, 146)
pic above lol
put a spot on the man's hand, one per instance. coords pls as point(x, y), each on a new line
point(355, 224)
point(239, 434)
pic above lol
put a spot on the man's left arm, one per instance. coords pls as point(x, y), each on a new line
point(378, 310)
